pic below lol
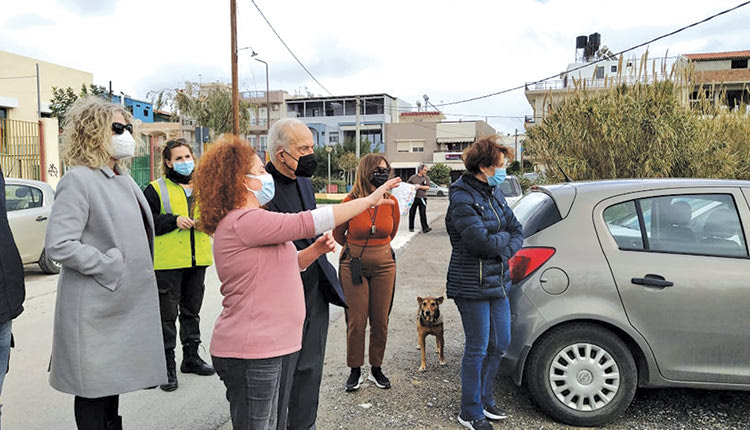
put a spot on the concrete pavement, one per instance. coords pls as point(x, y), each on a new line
point(30, 403)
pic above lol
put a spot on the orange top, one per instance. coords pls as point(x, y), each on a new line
point(359, 228)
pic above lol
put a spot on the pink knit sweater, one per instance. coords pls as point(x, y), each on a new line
point(264, 301)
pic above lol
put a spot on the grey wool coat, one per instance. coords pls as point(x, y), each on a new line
point(107, 337)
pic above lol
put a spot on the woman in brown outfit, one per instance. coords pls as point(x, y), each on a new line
point(367, 269)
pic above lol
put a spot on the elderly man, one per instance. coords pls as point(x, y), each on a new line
point(292, 163)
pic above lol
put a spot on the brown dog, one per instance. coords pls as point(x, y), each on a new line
point(429, 321)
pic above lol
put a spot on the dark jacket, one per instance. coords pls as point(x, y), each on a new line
point(12, 290)
point(484, 235)
point(328, 283)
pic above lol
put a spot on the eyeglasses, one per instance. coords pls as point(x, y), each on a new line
point(119, 128)
point(383, 170)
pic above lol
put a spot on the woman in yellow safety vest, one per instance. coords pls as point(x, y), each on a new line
point(181, 256)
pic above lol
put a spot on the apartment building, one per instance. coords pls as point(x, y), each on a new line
point(333, 120)
point(723, 77)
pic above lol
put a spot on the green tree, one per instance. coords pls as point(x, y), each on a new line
point(210, 107)
point(63, 98)
point(440, 173)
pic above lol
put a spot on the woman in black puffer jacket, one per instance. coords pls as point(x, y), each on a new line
point(484, 235)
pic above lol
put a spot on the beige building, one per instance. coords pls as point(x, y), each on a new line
point(422, 137)
point(20, 152)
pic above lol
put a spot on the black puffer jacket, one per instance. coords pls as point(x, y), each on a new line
point(12, 290)
point(484, 235)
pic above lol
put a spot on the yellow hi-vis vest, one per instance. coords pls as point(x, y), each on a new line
point(173, 250)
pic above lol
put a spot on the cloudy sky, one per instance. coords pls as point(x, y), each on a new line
point(448, 50)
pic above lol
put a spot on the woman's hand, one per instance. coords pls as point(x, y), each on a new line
point(184, 223)
point(376, 198)
point(325, 244)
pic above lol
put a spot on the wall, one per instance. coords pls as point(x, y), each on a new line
point(24, 89)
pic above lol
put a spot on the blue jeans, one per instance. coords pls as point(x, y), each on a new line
point(5, 331)
point(252, 390)
point(487, 330)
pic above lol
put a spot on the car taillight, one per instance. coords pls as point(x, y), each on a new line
point(527, 260)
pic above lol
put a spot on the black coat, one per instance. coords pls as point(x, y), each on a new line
point(329, 282)
point(12, 290)
point(484, 235)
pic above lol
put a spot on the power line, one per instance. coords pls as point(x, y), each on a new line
point(600, 60)
point(289, 49)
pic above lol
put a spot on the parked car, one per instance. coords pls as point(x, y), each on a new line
point(436, 190)
point(626, 284)
point(29, 204)
point(511, 188)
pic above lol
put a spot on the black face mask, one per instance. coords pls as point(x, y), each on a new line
point(306, 165)
point(380, 176)
point(178, 178)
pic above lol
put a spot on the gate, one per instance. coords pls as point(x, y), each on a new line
point(20, 146)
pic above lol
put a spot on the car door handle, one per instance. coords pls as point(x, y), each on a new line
point(41, 218)
point(652, 281)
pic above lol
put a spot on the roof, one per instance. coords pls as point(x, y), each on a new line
point(718, 56)
point(723, 76)
point(293, 99)
point(431, 113)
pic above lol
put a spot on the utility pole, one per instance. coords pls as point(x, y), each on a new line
point(356, 131)
point(516, 154)
point(235, 87)
point(38, 96)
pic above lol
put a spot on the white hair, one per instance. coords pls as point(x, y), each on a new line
point(280, 135)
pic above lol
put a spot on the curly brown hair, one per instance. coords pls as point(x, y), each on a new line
point(219, 180)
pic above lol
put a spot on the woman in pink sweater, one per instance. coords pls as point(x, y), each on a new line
point(258, 266)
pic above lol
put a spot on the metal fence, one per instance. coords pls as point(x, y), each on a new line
point(20, 147)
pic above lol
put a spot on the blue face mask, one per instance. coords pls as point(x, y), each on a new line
point(497, 178)
point(267, 191)
point(184, 168)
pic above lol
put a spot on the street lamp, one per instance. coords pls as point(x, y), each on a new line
point(329, 148)
point(254, 55)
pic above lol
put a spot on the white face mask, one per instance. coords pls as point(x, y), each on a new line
point(267, 190)
point(123, 145)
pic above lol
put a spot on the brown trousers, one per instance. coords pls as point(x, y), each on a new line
point(371, 299)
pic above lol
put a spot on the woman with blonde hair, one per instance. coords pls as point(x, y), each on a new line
point(107, 337)
point(367, 269)
point(259, 269)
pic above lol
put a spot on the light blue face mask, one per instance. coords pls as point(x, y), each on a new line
point(184, 168)
point(267, 191)
point(498, 178)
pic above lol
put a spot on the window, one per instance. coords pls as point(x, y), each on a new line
point(410, 145)
point(18, 197)
point(314, 109)
point(739, 64)
point(296, 110)
point(704, 224)
point(334, 108)
point(373, 106)
point(599, 72)
point(333, 137)
point(145, 112)
point(350, 107)
point(613, 69)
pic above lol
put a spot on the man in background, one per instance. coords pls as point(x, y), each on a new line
point(421, 182)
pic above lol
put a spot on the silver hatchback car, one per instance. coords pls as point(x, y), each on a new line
point(629, 283)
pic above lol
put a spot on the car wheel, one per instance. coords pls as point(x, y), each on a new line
point(582, 375)
point(48, 265)
point(440, 194)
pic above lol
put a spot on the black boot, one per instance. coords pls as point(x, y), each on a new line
point(171, 384)
point(192, 362)
point(116, 423)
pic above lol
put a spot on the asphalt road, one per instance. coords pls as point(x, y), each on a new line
point(30, 403)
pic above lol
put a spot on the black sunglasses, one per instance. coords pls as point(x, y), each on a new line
point(120, 128)
point(383, 170)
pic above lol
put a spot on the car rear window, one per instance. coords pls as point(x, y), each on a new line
point(536, 211)
point(509, 189)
